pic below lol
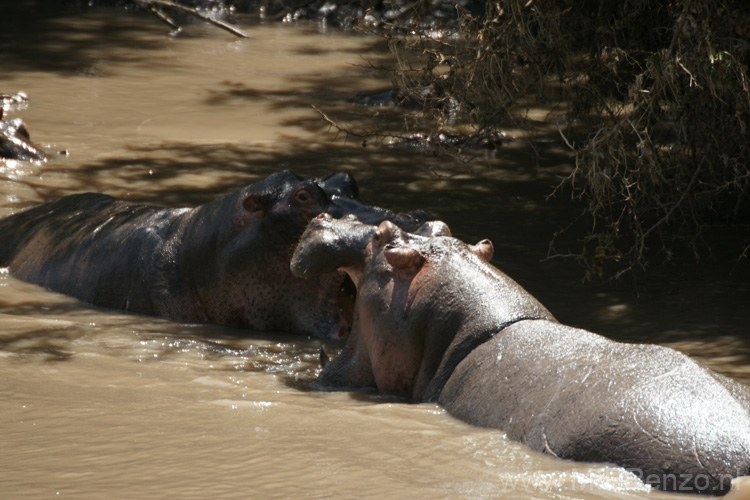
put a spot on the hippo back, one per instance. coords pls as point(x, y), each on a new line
point(576, 395)
point(82, 245)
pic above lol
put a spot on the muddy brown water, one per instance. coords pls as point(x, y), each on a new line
point(98, 404)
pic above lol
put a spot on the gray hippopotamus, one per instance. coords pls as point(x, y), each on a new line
point(434, 321)
point(224, 262)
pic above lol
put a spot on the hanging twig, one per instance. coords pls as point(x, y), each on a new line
point(161, 15)
point(151, 6)
point(341, 128)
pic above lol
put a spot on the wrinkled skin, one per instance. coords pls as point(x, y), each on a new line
point(434, 321)
point(224, 262)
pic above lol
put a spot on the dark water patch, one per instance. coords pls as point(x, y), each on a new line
point(150, 172)
point(51, 310)
point(46, 345)
point(34, 39)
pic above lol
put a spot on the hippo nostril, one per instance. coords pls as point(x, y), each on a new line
point(377, 239)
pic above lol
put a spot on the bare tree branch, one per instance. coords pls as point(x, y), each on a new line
point(150, 5)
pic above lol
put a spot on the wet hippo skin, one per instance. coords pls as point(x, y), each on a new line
point(434, 321)
point(224, 262)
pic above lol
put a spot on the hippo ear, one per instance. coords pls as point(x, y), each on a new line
point(484, 250)
point(256, 202)
point(339, 184)
point(404, 258)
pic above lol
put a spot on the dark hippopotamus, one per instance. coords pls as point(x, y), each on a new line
point(434, 321)
point(224, 262)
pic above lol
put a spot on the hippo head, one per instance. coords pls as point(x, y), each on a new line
point(286, 199)
point(424, 300)
point(244, 277)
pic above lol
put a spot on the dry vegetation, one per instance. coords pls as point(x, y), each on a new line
point(659, 96)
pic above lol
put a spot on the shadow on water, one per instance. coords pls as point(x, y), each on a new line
point(44, 344)
point(34, 39)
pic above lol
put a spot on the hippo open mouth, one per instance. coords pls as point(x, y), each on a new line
point(335, 248)
point(335, 313)
point(345, 299)
point(326, 252)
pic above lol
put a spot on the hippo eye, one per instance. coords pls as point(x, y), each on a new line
point(303, 196)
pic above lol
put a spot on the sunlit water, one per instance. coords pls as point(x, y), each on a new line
point(97, 404)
